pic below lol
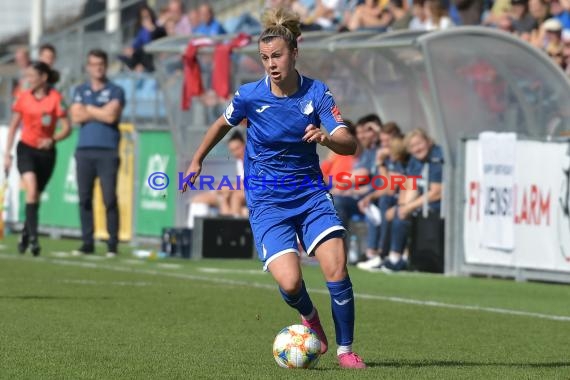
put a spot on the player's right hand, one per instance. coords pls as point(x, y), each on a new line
point(7, 163)
point(195, 168)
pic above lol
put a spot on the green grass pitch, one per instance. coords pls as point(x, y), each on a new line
point(125, 318)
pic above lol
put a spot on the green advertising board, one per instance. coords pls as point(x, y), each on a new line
point(155, 209)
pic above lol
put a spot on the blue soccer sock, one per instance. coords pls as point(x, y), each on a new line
point(300, 301)
point(342, 303)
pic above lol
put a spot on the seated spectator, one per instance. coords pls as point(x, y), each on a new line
point(550, 40)
point(48, 54)
point(325, 15)
point(369, 15)
point(538, 9)
point(522, 21)
point(208, 26)
point(436, 15)
point(467, 12)
point(194, 18)
point(419, 19)
point(391, 160)
point(22, 61)
point(227, 201)
point(400, 17)
point(148, 30)
point(427, 162)
point(560, 9)
point(499, 10)
point(182, 26)
point(550, 34)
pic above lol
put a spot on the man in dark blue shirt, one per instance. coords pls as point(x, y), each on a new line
point(97, 107)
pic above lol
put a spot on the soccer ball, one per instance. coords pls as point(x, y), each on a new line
point(296, 346)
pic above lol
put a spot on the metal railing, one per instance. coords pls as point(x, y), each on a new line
point(78, 29)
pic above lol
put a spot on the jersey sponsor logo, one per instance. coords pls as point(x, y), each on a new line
point(261, 109)
point(230, 111)
point(307, 107)
point(336, 113)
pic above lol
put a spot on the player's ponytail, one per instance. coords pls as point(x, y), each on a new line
point(281, 23)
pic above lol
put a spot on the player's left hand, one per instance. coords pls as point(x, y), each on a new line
point(314, 134)
point(196, 168)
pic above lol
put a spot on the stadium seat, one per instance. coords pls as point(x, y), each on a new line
point(143, 95)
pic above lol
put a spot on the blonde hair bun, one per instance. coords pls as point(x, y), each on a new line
point(274, 22)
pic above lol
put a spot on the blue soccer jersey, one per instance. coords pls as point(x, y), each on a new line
point(278, 165)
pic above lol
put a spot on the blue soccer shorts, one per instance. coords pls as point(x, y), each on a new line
point(276, 227)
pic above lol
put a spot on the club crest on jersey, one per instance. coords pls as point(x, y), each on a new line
point(336, 113)
point(306, 107)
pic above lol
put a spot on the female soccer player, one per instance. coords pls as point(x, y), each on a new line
point(39, 109)
point(284, 111)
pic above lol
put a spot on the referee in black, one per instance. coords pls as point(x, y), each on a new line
point(97, 106)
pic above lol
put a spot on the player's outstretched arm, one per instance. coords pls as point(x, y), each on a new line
point(214, 135)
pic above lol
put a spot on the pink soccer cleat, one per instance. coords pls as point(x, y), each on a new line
point(315, 325)
point(351, 360)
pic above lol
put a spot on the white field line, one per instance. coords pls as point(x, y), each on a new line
point(231, 271)
point(226, 281)
point(114, 283)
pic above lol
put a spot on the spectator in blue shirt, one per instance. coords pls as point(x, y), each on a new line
point(427, 162)
point(209, 26)
point(134, 56)
point(391, 161)
point(97, 107)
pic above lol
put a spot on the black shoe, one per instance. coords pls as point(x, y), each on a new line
point(35, 247)
point(23, 243)
point(85, 249)
point(112, 250)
